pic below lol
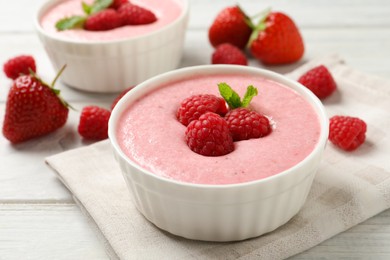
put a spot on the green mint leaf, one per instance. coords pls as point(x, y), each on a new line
point(230, 96)
point(251, 92)
point(70, 23)
point(86, 7)
point(99, 5)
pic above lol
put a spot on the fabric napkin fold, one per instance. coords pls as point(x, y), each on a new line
point(349, 187)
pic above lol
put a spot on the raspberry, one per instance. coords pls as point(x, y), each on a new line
point(246, 124)
point(136, 15)
point(228, 54)
point(347, 132)
point(319, 81)
point(209, 135)
point(120, 96)
point(104, 20)
point(194, 106)
point(19, 65)
point(94, 123)
point(118, 3)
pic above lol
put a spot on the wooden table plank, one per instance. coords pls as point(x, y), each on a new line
point(47, 231)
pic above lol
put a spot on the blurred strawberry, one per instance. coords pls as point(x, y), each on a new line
point(230, 26)
point(33, 109)
point(276, 40)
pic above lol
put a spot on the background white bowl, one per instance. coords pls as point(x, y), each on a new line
point(112, 66)
point(219, 212)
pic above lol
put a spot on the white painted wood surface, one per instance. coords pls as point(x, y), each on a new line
point(38, 218)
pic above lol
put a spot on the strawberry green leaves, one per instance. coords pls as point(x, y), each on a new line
point(233, 99)
point(77, 21)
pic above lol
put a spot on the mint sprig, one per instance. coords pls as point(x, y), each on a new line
point(77, 21)
point(71, 22)
point(233, 99)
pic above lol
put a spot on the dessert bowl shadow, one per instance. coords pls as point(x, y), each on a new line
point(113, 65)
point(228, 212)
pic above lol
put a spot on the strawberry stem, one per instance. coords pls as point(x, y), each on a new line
point(261, 25)
point(57, 76)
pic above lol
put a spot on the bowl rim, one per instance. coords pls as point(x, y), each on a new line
point(186, 72)
point(46, 5)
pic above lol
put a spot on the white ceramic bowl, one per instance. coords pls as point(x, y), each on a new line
point(219, 212)
point(112, 66)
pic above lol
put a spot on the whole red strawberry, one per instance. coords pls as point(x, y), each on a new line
point(16, 66)
point(230, 26)
point(319, 81)
point(209, 135)
point(194, 106)
point(227, 53)
point(347, 132)
point(104, 20)
point(93, 123)
point(33, 109)
point(245, 124)
point(136, 15)
point(277, 40)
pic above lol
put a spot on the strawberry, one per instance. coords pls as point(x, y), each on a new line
point(347, 132)
point(319, 81)
point(113, 104)
point(16, 66)
point(104, 20)
point(227, 53)
point(276, 40)
point(194, 106)
point(33, 109)
point(93, 123)
point(243, 123)
point(136, 15)
point(209, 135)
point(230, 26)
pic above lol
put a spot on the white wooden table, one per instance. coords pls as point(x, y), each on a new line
point(38, 218)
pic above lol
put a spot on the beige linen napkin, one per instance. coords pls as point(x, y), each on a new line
point(348, 189)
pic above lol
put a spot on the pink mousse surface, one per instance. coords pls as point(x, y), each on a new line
point(150, 135)
point(166, 11)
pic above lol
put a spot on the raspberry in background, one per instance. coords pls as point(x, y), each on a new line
point(194, 106)
point(347, 132)
point(230, 26)
point(104, 20)
point(227, 53)
point(18, 65)
point(245, 124)
point(93, 124)
point(209, 135)
point(136, 15)
point(319, 80)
